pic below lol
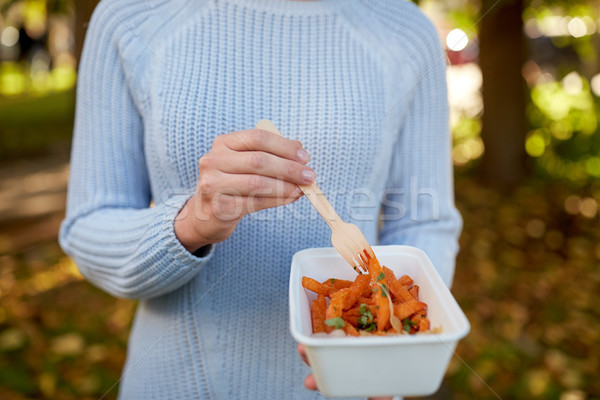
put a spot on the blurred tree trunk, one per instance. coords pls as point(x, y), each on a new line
point(502, 54)
point(83, 13)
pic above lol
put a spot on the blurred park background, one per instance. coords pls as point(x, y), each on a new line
point(524, 85)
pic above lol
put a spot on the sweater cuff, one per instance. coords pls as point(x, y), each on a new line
point(174, 247)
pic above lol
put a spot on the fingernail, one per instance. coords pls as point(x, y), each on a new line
point(303, 155)
point(308, 175)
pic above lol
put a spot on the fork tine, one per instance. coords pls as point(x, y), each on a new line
point(360, 267)
point(364, 250)
point(365, 260)
point(346, 255)
point(352, 257)
point(360, 248)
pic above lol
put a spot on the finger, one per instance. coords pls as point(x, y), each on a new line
point(260, 140)
point(310, 383)
point(231, 208)
point(246, 185)
point(302, 353)
point(254, 204)
point(266, 164)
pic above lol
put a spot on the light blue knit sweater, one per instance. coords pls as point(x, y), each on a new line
point(360, 83)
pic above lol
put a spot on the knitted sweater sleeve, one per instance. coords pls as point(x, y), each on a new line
point(118, 241)
point(418, 208)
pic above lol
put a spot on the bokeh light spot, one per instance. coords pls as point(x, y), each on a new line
point(589, 207)
point(573, 395)
point(554, 26)
point(572, 83)
point(10, 36)
point(537, 381)
point(535, 228)
point(531, 29)
point(573, 205)
point(562, 129)
point(577, 27)
point(68, 344)
point(457, 40)
point(592, 166)
point(535, 145)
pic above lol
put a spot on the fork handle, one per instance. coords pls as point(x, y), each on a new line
point(312, 191)
point(318, 200)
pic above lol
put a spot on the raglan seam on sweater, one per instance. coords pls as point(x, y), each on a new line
point(156, 44)
point(123, 31)
point(401, 30)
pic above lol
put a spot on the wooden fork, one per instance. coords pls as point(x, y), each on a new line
point(346, 238)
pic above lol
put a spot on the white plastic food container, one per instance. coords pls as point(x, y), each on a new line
point(408, 365)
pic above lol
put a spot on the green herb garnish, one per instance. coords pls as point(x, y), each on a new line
point(371, 327)
point(332, 281)
point(408, 323)
point(380, 276)
point(365, 316)
point(363, 309)
point(337, 322)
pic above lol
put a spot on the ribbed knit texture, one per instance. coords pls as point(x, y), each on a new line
point(360, 83)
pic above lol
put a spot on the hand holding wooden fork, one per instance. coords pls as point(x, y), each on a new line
point(346, 238)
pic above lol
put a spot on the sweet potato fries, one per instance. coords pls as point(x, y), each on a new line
point(375, 303)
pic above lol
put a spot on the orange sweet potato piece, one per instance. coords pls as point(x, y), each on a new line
point(424, 325)
point(337, 283)
point(415, 321)
point(366, 300)
point(414, 291)
point(416, 318)
point(316, 286)
point(374, 269)
point(336, 306)
point(379, 283)
point(351, 316)
point(382, 311)
point(317, 313)
point(359, 286)
point(405, 310)
point(381, 293)
point(350, 330)
point(405, 281)
point(399, 292)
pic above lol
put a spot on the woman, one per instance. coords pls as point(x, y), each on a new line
point(168, 94)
